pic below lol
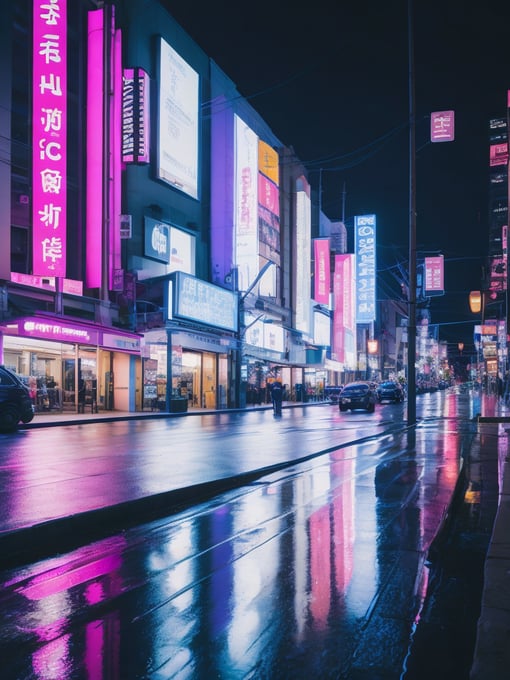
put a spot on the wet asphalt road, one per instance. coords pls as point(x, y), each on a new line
point(55, 472)
point(315, 570)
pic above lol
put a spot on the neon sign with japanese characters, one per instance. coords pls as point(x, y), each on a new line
point(49, 137)
point(365, 248)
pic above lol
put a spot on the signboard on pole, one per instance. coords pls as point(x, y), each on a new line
point(434, 275)
point(442, 126)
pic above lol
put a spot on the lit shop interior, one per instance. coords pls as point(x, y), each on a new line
point(198, 378)
point(60, 376)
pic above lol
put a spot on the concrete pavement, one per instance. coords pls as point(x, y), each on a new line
point(492, 652)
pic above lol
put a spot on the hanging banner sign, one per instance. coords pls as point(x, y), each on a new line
point(442, 126)
point(365, 250)
point(434, 275)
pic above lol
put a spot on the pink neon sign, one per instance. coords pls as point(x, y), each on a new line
point(49, 130)
point(98, 193)
point(344, 308)
point(322, 271)
point(434, 273)
point(442, 126)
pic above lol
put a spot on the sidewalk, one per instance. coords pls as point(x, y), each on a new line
point(492, 653)
point(492, 650)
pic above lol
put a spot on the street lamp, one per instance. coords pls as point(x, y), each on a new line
point(475, 301)
point(476, 306)
point(240, 397)
point(373, 348)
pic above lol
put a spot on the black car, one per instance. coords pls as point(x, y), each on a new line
point(389, 390)
point(358, 395)
point(15, 403)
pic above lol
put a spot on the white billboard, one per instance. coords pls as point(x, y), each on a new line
point(246, 204)
point(182, 251)
point(302, 281)
point(178, 122)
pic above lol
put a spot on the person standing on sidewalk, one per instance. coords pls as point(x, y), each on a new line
point(277, 397)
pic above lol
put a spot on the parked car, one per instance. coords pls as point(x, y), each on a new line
point(15, 403)
point(390, 390)
point(358, 395)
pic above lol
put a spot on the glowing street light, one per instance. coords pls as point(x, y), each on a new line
point(475, 301)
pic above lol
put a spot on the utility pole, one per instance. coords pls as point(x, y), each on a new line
point(411, 324)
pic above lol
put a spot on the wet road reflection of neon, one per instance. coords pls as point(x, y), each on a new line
point(315, 571)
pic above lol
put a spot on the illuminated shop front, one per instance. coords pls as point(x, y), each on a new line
point(71, 366)
point(188, 364)
point(185, 370)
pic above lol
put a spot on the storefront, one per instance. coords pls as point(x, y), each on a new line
point(186, 370)
point(71, 366)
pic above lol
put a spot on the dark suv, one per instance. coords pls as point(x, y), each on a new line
point(357, 395)
point(15, 402)
point(389, 390)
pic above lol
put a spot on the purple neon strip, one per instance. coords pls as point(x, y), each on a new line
point(94, 148)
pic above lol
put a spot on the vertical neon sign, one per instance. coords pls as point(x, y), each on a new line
point(49, 131)
point(365, 240)
point(95, 87)
point(104, 120)
point(322, 274)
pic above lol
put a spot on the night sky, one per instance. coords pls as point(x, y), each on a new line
point(331, 80)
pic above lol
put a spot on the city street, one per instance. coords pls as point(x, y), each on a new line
point(316, 569)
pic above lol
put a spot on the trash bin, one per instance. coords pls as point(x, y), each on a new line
point(178, 405)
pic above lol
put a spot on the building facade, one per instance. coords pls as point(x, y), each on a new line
point(158, 248)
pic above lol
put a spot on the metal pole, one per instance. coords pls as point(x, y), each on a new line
point(411, 326)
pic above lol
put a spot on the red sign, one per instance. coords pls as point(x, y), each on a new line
point(442, 126)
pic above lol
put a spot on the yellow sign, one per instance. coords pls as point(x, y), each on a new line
point(268, 162)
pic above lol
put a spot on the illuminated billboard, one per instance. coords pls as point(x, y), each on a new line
point(157, 240)
point(268, 162)
point(498, 154)
point(182, 251)
point(344, 322)
point(302, 282)
point(322, 274)
point(49, 138)
point(178, 122)
point(269, 219)
point(434, 274)
point(365, 244)
point(442, 126)
point(103, 204)
point(321, 329)
point(135, 115)
point(169, 245)
point(246, 204)
point(263, 335)
point(200, 301)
